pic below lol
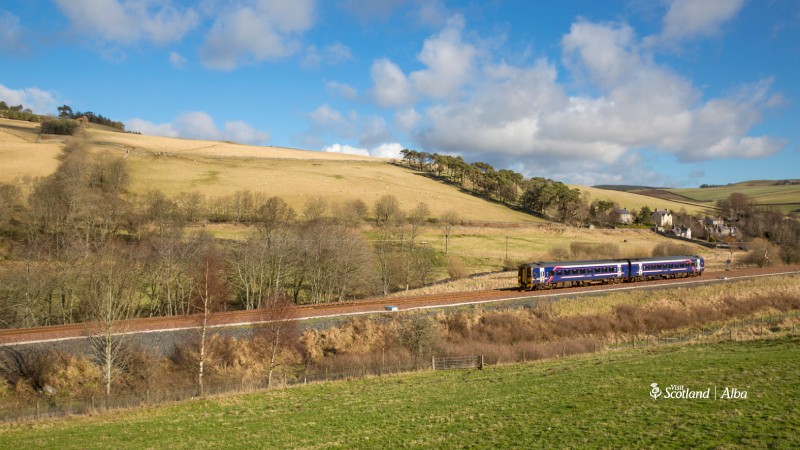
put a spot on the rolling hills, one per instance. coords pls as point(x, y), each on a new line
point(215, 168)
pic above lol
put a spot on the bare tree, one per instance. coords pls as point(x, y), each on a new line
point(447, 222)
point(109, 289)
point(416, 221)
point(315, 208)
point(210, 294)
point(279, 331)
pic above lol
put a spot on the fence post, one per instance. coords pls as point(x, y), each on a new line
point(433, 360)
point(37, 409)
point(481, 363)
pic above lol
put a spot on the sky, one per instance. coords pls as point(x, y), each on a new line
point(671, 93)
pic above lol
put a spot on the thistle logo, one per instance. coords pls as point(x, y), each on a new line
point(655, 392)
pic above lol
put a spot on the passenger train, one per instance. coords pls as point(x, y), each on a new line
point(548, 275)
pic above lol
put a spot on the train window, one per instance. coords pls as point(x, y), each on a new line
point(558, 272)
point(574, 271)
point(549, 273)
point(583, 271)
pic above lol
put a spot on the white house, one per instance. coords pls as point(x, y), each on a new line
point(623, 216)
point(662, 218)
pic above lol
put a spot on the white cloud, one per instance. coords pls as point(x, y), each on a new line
point(331, 55)
point(387, 150)
point(374, 131)
point(177, 60)
point(371, 10)
point(255, 31)
point(326, 119)
point(448, 59)
point(342, 90)
point(690, 18)
point(449, 64)
point(11, 34)
point(130, 21)
point(406, 119)
point(384, 150)
point(626, 102)
point(200, 125)
point(38, 100)
point(391, 87)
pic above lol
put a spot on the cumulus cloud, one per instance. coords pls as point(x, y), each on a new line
point(38, 100)
point(342, 90)
point(449, 62)
point(130, 21)
point(690, 18)
point(625, 102)
point(405, 120)
point(255, 31)
point(391, 86)
point(326, 119)
point(419, 12)
point(200, 125)
point(384, 150)
point(331, 55)
point(11, 34)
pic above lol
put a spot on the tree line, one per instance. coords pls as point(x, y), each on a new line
point(65, 112)
point(539, 196)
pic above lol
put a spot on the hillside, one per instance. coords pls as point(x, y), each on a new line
point(633, 200)
point(215, 168)
point(785, 197)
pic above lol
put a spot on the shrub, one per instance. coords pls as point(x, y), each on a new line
point(456, 268)
point(66, 127)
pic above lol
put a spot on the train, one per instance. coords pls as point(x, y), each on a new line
point(549, 275)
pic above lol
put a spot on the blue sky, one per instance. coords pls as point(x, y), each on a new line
point(665, 93)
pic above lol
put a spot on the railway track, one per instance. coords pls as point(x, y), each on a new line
point(372, 305)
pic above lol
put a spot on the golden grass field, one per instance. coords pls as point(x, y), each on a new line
point(216, 168)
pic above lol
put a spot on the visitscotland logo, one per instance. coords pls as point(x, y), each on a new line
point(681, 392)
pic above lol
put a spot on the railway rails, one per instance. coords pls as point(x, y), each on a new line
point(372, 305)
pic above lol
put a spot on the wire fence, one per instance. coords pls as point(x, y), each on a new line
point(54, 406)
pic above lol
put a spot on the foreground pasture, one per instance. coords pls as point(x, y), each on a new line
point(597, 401)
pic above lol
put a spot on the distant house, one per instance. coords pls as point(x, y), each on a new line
point(684, 232)
point(622, 215)
point(713, 222)
point(662, 218)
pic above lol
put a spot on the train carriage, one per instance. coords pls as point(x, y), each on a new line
point(548, 275)
point(665, 267)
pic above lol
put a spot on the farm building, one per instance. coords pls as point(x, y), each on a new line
point(662, 218)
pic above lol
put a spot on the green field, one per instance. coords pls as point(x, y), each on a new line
point(784, 197)
point(596, 401)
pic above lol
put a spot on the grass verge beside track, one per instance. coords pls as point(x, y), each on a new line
point(595, 401)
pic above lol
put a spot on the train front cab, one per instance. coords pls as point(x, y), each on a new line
point(525, 277)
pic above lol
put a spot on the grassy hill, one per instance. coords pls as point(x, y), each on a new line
point(596, 401)
point(636, 200)
point(785, 197)
point(216, 168)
